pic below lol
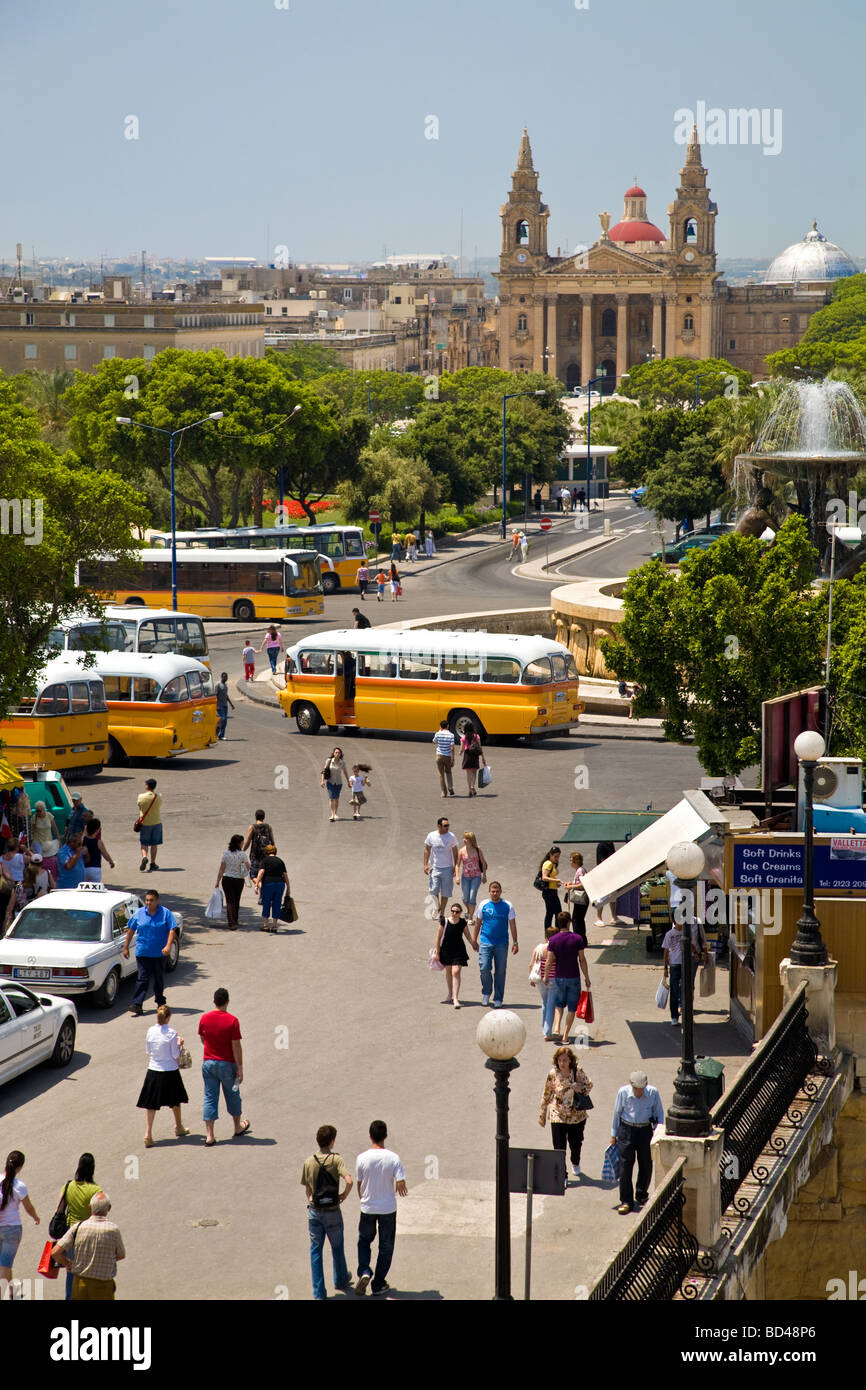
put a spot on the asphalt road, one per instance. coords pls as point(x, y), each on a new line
point(341, 1017)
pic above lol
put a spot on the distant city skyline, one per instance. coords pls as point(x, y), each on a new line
point(346, 133)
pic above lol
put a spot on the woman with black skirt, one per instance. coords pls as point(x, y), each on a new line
point(162, 1083)
point(577, 897)
point(549, 871)
point(452, 952)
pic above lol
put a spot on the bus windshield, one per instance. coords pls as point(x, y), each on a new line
point(89, 637)
point(307, 580)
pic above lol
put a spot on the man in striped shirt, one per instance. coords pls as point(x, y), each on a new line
point(444, 741)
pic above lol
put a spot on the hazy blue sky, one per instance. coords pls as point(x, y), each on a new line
point(305, 126)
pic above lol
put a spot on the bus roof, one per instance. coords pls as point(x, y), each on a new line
point(451, 640)
point(65, 668)
point(229, 555)
point(162, 666)
point(139, 612)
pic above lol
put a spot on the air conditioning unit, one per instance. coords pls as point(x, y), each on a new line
point(837, 796)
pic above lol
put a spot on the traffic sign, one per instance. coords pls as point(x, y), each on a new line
point(374, 517)
point(546, 523)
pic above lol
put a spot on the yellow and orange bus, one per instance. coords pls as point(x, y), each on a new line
point(61, 723)
point(388, 678)
point(340, 548)
point(159, 705)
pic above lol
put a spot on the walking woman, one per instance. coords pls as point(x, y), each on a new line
point(43, 831)
point(259, 836)
point(75, 1199)
point(451, 952)
point(473, 756)
point(577, 896)
point(411, 549)
point(13, 1196)
point(394, 582)
point(565, 1086)
point(472, 868)
point(429, 545)
point(272, 881)
point(332, 780)
point(549, 885)
point(233, 869)
point(96, 852)
point(273, 645)
point(546, 985)
point(162, 1083)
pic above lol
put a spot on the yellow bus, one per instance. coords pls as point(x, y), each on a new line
point(130, 628)
point(240, 584)
point(340, 548)
point(388, 678)
point(159, 704)
point(62, 723)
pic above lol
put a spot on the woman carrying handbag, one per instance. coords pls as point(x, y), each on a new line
point(74, 1205)
point(565, 1102)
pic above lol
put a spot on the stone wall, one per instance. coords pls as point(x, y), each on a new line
point(583, 614)
point(527, 622)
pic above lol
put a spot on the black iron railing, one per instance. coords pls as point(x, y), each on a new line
point(658, 1254)
point(762, 1095)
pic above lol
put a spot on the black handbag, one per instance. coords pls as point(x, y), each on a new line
point(582, 1102)
point(538, 882)
point(57, 1226)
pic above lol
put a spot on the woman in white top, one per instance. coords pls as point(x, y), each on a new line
point(44, 832)
point(332, 780)
point(162, 1083)
point(13, 1196)
point(233, 870)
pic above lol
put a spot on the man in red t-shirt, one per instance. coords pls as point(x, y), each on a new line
point(223, 1065)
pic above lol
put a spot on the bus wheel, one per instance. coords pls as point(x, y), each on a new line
point(116, 756)
point(308, 719)
point(462, 720)
point(244, 611)
point(330, 582)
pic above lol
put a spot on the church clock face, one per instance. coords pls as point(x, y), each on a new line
point(688, 255)
point(521, 256)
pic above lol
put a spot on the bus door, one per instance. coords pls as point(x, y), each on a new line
point(344, 688)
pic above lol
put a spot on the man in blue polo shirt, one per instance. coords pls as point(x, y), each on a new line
point(71, 863)
point(493, 918)
point(156, 930)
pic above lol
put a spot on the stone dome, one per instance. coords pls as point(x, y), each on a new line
point(813, 258)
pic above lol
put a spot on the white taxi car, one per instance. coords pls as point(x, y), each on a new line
point(34, 1028)
point(71, 942)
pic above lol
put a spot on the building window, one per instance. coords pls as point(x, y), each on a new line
point(690, 231)
point(786, 321)
point(30, 352)
point(149, 352)
point(108, 320)
point(150, 320)
point(608, 323)
point(398, 299)
point(268, 309)
point(522, 298)
point(521, 323)
point(67, 320)
point(70, 352)
point(642, 328)
point(521, 233)
point(27, 319)
point(347, 295)
point(688, 323)
point(732, 343)
point(688, 299)
point(108, 352)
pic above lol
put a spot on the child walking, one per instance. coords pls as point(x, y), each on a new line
point(381, 581)
point(358, 781)
point(249, 659)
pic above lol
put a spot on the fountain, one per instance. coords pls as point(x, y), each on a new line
point(815, 437)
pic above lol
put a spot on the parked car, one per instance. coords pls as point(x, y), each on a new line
point(677, 549)
point(34, 1028)
point(638, 496)
point(71, 942)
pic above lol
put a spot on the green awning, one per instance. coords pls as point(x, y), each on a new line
point(590, 827)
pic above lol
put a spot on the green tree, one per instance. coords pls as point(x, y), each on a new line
point(392, 395)
point(305, 361)
point(818, 359)
point(659, 432)
point(740, 625)
point(688, 482)
point(399, 487)
point(614, 422)
point(440, 435)
point(843, 320)
point(45, 394)
point(671, 381)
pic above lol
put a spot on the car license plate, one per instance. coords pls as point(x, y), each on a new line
point(32, 974)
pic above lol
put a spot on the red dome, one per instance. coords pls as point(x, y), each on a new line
point(635, 231)
point(634, 192)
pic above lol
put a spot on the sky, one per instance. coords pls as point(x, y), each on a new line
point(346, 129)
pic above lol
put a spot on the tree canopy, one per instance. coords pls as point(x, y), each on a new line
point(843, 320)
point(688, 481)
point(668, 381)
point(400, 487)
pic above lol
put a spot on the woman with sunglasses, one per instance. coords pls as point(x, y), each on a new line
point(451, 951)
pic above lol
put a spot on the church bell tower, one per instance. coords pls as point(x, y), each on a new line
point(693, 215)
point(524, 218)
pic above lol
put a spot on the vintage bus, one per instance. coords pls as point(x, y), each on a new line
point(242, 584)
point(131, 628)
point(388, 678)
point(340, 548)
point(61, 723)
point(159, 704)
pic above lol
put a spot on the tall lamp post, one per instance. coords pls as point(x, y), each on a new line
point(687, 1114)
point(510, 397)
point(501, 1034)
point(589, 385)
point(848, 535)
point(808, 947)
point(283, 470)
point(367, 384)
point(172, 434)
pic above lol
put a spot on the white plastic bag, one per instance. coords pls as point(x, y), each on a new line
point(662, 995)
point(214, 908)
point(707, 986)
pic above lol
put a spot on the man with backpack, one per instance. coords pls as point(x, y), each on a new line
point(321, 1179)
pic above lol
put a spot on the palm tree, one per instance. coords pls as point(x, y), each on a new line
point(43, 393)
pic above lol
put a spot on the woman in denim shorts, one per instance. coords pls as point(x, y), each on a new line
point(13, 1196)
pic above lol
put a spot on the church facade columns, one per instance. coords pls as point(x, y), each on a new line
point(706, 344)
point(538, 343)
point(657, 342)
point(621, 336)
point(551, 362)
point(587, 358)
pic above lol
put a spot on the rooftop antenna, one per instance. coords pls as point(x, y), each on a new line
point(18, 252)
point(143, 274)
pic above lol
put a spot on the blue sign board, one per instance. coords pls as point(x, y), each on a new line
point(837, 865)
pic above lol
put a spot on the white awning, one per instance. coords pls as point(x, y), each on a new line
point(695, 818)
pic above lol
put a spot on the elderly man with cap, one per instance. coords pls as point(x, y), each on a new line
point(637, 1111)
point(78, 816)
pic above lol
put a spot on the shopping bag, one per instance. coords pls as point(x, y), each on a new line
point(584, 1007)
point(612, 1164)
point(45, 1267)
point(662, 995)
point(214, 908)
point(288, 911)
point(707, 984)
point(433, 961)
point(485, 776)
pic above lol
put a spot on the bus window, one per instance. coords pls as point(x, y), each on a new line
point(571, 669)
point(175, 690)
point(419, 666)
point(146, 689)
point(206, 682)
point(307, 581)
point(537, 672)
point(53, 700)
point(117, 687)
point(379, 664)
point(190, 638)
point(79, 697)
point(154, 636)
point(270, 581)
point(501, 670)
point(461, 668)
point(57, 640)
point(97, 697)
point(328, 543)
point(317, 663)
point(194, 684)
point(560, 668)
point(354, 544)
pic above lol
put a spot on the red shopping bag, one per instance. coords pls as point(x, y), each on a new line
point(45, 1267)
point(584, 1007)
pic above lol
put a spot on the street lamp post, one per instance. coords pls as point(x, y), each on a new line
point(367, 384)
point(808, 947)
point(589, 385)
point(509, 397)
point(687, 1114)
point(155, 429)
point(283, 472)
point(501, 1034)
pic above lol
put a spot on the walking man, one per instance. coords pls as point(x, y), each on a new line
point(223, 1065)
point(638, 1109)
point(91, 1249)
point(223, 700)
point(155, 930)
point(380, 1181)
point(441, 852)
point(72, 859)
point(78, 817)
point(493, 920)
point(149, 823)
point(321, 1180)
point(444, 741)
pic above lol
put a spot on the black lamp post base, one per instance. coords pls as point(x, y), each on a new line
point(687, 1115)
point(808, 947)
